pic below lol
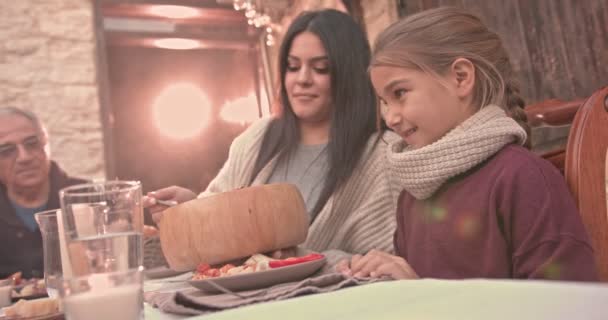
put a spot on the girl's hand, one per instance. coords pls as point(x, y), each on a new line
point(173, 193)
point(376, 264)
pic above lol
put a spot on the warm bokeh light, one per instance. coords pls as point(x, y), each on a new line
point(241, 110)
point(468, 225)
point(174, 12)
point(181, 110)
point(552, 271)
point(177, 43)
point(438, 214)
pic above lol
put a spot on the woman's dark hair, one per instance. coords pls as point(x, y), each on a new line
point(353, 115)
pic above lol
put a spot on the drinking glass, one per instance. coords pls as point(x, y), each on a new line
point(103, 226)
point(47, 223)
point(6, 286)
point(103, 296)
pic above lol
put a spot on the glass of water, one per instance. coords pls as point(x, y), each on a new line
point(103, 226)
point(47, 222)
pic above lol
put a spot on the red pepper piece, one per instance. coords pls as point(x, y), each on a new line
point(202, 268)
point(294, 260)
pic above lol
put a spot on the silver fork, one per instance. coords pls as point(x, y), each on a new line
point(168, 203)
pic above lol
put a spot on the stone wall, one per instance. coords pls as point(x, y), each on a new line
point(47, 65)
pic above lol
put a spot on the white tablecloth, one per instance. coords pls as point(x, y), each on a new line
point(428, 299)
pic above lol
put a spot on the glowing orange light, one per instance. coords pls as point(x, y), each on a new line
point(176, 43)
point(241, 110)
point(468, 225)
point(438, 213)
point(552, 271)
point(175, 12)
point(181, 110)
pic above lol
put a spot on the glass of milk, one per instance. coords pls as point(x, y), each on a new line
point(103, 225)
point(104, 296)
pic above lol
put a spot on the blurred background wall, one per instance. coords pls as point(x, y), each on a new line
point(559, 49)
point(47, 65)
point(92, 71)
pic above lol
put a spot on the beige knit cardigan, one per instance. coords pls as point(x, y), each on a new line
point(358, 217)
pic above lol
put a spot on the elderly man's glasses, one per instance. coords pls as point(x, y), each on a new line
point(9, 150)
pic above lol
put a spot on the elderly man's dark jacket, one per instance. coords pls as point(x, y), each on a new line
point(20, 248)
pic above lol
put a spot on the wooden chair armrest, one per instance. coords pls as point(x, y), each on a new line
point(552, 112)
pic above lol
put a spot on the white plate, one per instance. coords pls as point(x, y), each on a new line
point(260, 279)
point(161, 272)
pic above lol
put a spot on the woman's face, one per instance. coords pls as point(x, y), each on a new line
point(308, 79)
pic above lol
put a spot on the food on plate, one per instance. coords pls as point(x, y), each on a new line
point(32, 308)
point(23, 288)
point(16, 278)
point(257, 262)
point(204, 229)
point(28, 288)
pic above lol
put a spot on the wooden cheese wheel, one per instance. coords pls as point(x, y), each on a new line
point(232, 225)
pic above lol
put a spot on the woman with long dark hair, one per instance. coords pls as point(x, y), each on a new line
point(324, 140)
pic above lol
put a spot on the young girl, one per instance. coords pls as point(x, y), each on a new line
point(324, 141)
point(474, 202)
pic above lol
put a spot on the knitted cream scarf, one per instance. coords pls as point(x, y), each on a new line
point(422, 171)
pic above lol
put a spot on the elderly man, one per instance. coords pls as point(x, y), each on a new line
point(29, 183)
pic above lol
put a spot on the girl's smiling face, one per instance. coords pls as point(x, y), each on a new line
point(419, 107)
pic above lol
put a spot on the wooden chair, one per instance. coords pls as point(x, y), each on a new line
point(585, 171)
point(583, 160)
point(547, 115)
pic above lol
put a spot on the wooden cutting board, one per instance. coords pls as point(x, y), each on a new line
point(233, 225)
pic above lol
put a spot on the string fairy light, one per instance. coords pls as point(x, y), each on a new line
point(257, 19)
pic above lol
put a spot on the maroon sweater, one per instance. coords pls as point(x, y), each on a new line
point(510, 217)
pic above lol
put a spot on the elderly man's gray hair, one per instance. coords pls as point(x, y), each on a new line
point(32, 117)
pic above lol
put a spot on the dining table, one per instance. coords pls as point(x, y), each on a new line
point(429, 299)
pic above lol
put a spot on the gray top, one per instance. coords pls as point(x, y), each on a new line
point(305, 167)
